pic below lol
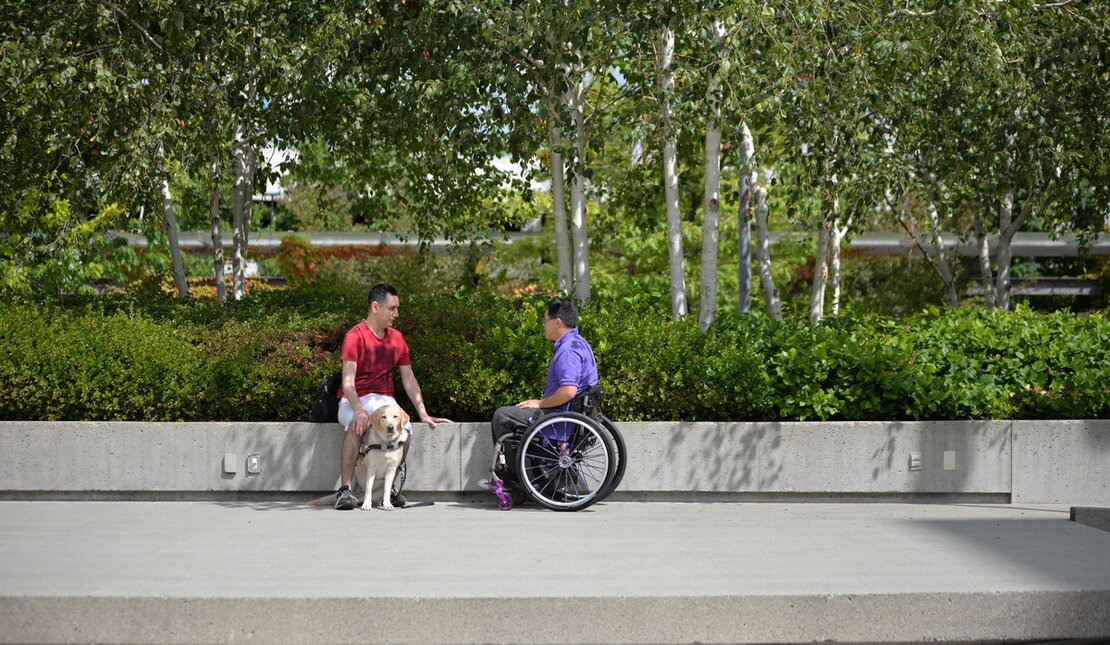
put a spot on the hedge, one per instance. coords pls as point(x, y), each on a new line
point(151, 358)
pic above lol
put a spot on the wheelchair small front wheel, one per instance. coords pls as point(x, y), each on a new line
point(565, 462)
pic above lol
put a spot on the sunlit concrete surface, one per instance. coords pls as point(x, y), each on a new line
point(618, 572)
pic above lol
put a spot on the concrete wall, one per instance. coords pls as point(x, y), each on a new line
point(1062, 462)
point(1046, 462)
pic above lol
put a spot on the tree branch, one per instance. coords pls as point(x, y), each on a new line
point(915, 14)
point(121, 12)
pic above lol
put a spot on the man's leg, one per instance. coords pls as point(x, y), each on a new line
point(351, 444)
point(345, 498)
point(511, 418)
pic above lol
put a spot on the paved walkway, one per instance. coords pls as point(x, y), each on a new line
point(619, 572)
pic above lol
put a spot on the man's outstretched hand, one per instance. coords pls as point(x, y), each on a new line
point(434, 421)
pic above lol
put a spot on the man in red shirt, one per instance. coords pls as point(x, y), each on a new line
point(371, 349)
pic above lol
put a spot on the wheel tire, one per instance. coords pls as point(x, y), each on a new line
point(621, 452)
point(565, 468)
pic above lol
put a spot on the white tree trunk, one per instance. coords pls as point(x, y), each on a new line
point(1005, 218)
point(826, 237)
point(707, 310)
point(763, 254)
point(217, 236)
point(559, 206)
point(664, 55)
point(1005, 254)
point(242, 202)
point(940, 252)
point(711, 204)
point(1005, 225)
point(837, 233)
point(986, 274)
point(171, 232)
point(834, 269)
point(748, 183)
point(579, 237)
point(820, 274)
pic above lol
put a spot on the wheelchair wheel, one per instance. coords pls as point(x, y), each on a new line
point(565, 461)
point(621, 453)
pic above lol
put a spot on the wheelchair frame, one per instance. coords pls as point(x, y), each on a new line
point(564, 461)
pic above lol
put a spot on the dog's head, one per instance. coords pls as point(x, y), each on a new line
point(389, 422)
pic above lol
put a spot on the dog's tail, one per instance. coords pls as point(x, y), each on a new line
point(326, 500)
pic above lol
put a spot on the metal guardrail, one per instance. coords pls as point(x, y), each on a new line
point(271, 240)
point(1024, 244)
point(1047, 286)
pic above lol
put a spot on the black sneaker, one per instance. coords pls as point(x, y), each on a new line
point(345, 500)
point(398, 500)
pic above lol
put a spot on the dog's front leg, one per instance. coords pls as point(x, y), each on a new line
point(369, 484)
point(387, 490)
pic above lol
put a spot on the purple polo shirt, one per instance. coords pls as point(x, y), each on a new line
point(572, 364)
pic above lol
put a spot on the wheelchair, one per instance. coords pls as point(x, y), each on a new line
point(564, 461)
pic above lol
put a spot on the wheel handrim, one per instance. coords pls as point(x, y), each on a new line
point(565, 473)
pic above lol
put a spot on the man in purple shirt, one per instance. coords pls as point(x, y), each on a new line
point(572, 370)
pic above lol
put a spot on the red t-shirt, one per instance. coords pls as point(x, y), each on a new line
point(374, 358)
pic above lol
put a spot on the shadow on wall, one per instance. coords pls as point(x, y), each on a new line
point(724, 457)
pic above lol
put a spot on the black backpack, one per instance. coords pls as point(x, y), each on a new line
point(326, 407)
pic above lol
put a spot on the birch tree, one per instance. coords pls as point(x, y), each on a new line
point(559, 58)
point(664, 58)
point(748, 182)
point(707, 303)
point(996, 127)
point(171, 232)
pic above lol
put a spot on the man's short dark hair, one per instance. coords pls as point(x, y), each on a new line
point(379, 292)
point(565, 309)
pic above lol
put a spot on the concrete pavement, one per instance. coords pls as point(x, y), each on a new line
point(618, 572)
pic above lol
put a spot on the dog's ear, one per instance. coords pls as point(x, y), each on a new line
point(404, 417)
point(376, 417)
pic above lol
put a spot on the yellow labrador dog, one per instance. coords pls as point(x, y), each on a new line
point(381, 454)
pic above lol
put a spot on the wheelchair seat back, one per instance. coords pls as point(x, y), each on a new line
point(587, 402)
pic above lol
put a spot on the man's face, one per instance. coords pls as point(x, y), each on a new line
point(551, 329)
point(384, 313)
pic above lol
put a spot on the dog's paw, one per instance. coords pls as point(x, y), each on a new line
point(366, 506)
point(386, 506)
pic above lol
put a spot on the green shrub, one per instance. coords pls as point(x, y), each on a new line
point(61, 366)
point(153, 358)
point(653, 369)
